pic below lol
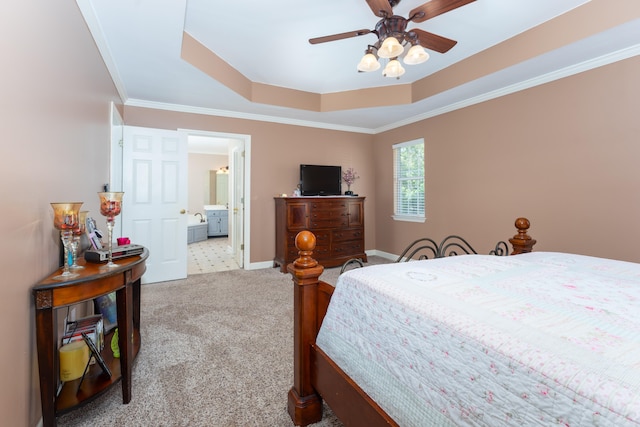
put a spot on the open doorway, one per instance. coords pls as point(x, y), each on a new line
point(217, 177)
point(239, 154)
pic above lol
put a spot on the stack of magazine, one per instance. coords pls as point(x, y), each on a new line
point(92, 326)
point(91, 330)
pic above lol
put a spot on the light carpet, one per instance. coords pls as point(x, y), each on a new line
point(217, 350)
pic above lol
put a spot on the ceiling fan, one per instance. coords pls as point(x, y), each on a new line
point(392, 34)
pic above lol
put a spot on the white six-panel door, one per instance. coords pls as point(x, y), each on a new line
point(155, 199)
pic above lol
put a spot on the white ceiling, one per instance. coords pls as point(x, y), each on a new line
point(267, 41)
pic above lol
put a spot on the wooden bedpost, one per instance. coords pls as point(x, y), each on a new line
point(522, 242)
point(304, 404)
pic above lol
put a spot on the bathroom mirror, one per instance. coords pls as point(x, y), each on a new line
point(219, 187)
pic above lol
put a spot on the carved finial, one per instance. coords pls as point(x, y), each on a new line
point(523, 224)
point(522, 242)
point(306, 243)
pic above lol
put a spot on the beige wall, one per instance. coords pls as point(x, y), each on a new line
point(560, 154)
point(564, 154)
point(276, 152)
point(199, 167)
point(55, 110)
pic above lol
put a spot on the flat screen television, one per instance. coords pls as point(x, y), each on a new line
point(320, 180)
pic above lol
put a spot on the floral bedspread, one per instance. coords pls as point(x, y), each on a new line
point(535, 339)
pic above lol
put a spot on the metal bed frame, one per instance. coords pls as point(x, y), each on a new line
point(426, 248)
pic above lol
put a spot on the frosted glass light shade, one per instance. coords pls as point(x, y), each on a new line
point(390, 48)
point(416, 55)
point(393, 69)
point(368, 63)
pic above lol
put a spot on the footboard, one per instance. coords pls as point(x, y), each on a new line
point(309, 307)
point(315, 374)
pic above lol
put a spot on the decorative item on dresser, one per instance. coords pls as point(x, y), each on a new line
point(337, 222)
point(349, 176)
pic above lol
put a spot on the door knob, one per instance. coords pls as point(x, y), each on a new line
point(182, 211)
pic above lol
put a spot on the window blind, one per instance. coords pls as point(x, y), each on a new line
point(409, 196)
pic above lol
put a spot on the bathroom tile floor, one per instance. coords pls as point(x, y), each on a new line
point(209, 256)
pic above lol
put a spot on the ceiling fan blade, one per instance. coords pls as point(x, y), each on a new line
point(433, 41)
point(340, 36)
point(380, 8)
point(435, 8)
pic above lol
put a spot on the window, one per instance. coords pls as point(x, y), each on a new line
point(408, 181)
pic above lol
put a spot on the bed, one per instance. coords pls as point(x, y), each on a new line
point(541, 338)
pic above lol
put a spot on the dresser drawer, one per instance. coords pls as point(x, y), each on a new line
point(347, 248)
point(328, 214)
point(322, 251)
point(328, 223)
point(322, 238)
point(344, 235)
point(328, 205)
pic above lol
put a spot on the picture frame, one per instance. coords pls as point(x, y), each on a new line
point(106, 305)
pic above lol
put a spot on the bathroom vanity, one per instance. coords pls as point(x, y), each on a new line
point(217, 219)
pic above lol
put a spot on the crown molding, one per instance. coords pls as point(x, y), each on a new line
point(97, 33)
point(240, 115)
point(507, 90)
point(517, 87)
point(90, 17)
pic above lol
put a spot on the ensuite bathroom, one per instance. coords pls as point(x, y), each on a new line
point(208, 223)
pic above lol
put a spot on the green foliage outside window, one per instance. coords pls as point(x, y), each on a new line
point(409, 179)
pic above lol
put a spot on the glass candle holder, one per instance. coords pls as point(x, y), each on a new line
point(110, 207)
point(77, 236)
point(65, 219)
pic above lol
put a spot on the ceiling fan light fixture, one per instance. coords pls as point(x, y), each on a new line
point(390, 48)
point(416, 55)
point(393, 69)
point(368, 63)
point(393, 35)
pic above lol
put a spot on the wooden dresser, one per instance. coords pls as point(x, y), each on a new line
point(337, 222)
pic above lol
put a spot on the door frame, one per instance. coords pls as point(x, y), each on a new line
point(116, 164)
point(117, 167)
point(237, 153)
point(246, 217)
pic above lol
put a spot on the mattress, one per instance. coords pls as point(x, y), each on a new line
point(474, 340)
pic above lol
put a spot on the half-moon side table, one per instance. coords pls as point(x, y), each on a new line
point(93, 281)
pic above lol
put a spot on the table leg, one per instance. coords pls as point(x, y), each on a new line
point(124, 301)
point(47, 363)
